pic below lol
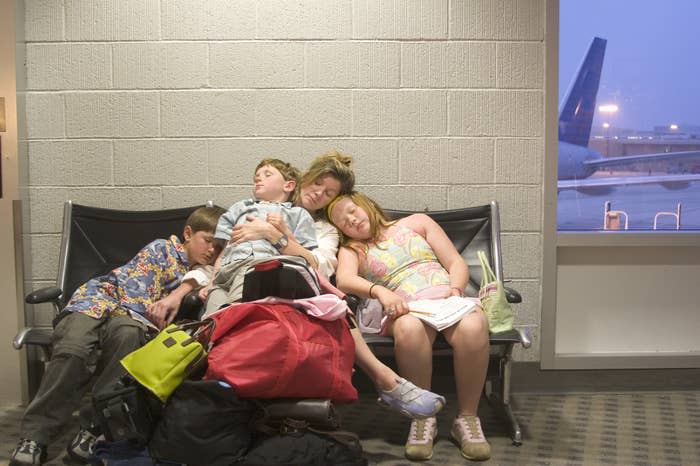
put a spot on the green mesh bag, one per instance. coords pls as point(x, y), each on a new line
point(493, 299)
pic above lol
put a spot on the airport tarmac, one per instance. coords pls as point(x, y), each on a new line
point(585, 210)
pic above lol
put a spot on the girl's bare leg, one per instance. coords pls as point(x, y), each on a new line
point(413, 349)
point(470, 344)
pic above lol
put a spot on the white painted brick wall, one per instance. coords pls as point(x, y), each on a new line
point(162, 103)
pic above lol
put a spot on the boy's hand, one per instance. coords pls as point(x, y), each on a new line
point(277, 221)
point(163, 312)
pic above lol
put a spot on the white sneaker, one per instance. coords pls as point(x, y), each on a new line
point(80, 448)
point(28, 453)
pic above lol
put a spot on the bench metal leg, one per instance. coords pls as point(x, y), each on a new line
point(516, 433)
point(499, 397)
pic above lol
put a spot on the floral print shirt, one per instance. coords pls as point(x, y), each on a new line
point(128, 290)
point(405, 263)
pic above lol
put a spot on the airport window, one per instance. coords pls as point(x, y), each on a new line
point(629, 119)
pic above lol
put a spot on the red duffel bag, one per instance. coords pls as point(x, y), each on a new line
point(276, 351)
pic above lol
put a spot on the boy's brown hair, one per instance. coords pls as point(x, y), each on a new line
point(288, 171)
point(204, 219)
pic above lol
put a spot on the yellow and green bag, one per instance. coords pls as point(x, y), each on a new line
point(493, 298)
point(163, 363)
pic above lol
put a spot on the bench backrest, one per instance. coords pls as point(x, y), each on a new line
point(471, 229)
point(96, 240)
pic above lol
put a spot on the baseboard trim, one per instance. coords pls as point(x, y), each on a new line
point(527, 377)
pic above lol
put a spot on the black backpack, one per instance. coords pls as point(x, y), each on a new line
point(203, 423)
point(288, 277)
point(297, 444)
point(125, 411)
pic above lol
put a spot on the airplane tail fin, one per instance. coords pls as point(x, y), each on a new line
point(578, 108)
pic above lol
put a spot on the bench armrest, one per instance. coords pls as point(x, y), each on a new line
point(41, 336)
point(43, 295)
point(190, 307)
point(512, 296)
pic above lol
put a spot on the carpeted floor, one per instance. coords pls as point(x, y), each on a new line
point(631, 429)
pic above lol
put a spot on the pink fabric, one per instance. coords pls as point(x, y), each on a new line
point(325, 306)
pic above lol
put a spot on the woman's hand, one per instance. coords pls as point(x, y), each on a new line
point(394, 305)
point(256, 228)
point(204, 292)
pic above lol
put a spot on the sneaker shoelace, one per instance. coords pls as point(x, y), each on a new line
point(471, 426)
point(421, 430)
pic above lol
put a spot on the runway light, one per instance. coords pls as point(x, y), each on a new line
point(608, 108)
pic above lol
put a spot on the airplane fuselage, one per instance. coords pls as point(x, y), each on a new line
point(571, 158)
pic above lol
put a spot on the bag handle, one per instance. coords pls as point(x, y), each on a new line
point(203, 333)
point(487, 275)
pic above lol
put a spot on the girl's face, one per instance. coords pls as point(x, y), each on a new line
point(319, 193)
point(351, 219)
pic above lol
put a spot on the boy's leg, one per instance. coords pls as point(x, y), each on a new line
point(228, 284)
point(119, 336)
point(66, 378)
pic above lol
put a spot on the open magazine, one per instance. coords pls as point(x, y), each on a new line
point(442, 313)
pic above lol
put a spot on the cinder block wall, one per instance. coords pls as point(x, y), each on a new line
point(148, 104)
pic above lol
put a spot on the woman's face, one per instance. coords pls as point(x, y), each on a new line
point(351, 219)
point(319, 193)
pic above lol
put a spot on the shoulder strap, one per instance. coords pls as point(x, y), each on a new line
point(487, 275)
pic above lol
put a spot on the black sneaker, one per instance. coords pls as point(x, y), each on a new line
point(28, 453)
point(80, 448)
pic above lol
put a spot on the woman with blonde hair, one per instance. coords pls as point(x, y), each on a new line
point(328, 176)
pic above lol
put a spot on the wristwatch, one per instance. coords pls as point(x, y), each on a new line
point(281, 243)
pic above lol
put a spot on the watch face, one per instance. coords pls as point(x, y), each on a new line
point(282, 242)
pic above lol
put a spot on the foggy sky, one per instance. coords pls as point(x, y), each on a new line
point(652, 65)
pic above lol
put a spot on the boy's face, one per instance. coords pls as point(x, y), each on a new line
point(199, 246)
point(270, 185)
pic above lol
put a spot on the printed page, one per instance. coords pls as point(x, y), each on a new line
point(442, 313)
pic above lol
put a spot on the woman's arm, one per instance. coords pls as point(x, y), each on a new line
point(257, 228)
point(443, 247)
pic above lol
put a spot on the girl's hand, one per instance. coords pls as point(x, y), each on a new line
point(256, 228)
point(394, 305)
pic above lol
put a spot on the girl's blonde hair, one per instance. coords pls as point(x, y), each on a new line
point(378, 221)
point(331, 163)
